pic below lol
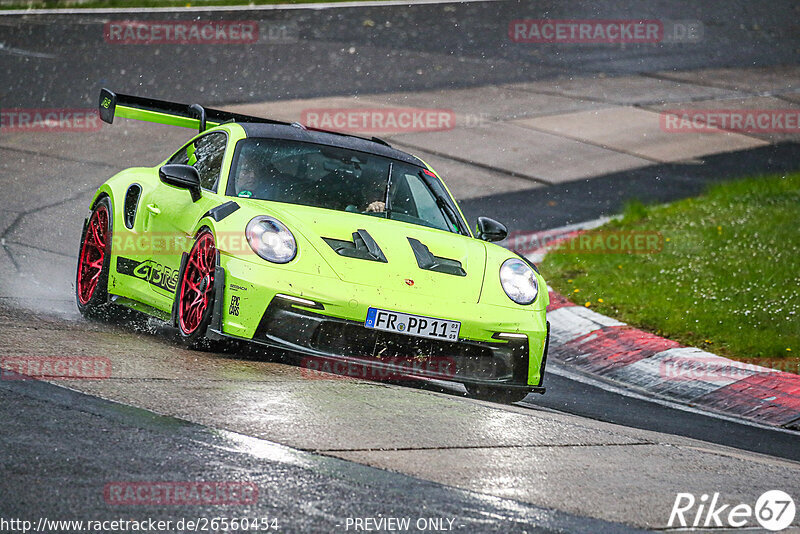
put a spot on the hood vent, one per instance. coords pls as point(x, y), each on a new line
point(429, 262)
point(363, 247)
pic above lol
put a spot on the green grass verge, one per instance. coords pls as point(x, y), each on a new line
point(727, 279)
point(64, 4)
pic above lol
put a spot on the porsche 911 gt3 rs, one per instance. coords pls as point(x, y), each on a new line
point(328, 245)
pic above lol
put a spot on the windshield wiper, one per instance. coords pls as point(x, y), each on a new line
point(387, 205)
point(448, 212)
point(444, 206)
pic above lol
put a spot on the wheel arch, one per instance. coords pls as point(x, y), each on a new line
point(104, 191)
point(205, 223)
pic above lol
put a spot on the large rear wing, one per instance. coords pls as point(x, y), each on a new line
point(192, 116)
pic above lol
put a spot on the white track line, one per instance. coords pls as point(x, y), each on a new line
point(27, 53)
point(270, 7)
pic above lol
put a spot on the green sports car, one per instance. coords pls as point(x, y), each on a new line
point(332, 246)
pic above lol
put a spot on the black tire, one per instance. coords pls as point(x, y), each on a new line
point(93, 301)
point(193, 333)
point(497, 393)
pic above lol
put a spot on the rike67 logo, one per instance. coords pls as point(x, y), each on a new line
point(774, 511)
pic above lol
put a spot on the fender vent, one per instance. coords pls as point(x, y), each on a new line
point(429, 262)
point(131, 202)
point(363, 247)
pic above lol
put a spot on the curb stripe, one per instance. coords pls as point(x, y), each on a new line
point(772, 398)
point(609, 348)
point(571, 322)
point(673, 374)
point(603, 346)
point(558, 301)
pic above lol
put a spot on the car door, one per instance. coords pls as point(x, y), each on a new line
point(172, 215)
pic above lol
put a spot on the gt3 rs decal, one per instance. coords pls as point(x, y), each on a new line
point(234, 307)
point(154, 273)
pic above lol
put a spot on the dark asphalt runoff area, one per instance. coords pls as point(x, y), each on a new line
point(590, 400)
point(585, 200)
point(63, 60)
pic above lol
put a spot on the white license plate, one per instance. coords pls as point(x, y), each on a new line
point(413, 325)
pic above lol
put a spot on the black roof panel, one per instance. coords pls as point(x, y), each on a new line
point(293, 133)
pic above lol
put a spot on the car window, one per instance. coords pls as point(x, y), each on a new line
point(340, 179)
point(414, 199)
point(181, 157)
point(205, 154)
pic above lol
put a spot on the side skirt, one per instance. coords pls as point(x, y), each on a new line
point(140, 307)
point(173, 317)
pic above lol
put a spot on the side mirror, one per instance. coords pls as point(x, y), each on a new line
point(184, 176)
point(491, 230)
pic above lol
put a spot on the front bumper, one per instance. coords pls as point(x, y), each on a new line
point(477, 358)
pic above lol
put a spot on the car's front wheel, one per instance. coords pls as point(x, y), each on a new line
point(195, 295)
point(497, 393)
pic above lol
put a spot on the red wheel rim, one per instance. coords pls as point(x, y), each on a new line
point(93, 252)
point(197, 283)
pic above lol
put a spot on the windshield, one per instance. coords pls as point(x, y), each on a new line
point(343, 180)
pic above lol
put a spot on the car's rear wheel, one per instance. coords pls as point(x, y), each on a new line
point(497, 393)
point(196, 291)
point(94, 257)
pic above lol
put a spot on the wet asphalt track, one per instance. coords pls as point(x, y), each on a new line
point(422, 47)
point(85, 442)
point(63, 61)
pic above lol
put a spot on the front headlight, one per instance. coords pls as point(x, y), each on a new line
point(270, 239)
point(519, 281)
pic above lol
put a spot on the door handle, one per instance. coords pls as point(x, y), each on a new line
point(152, 208)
